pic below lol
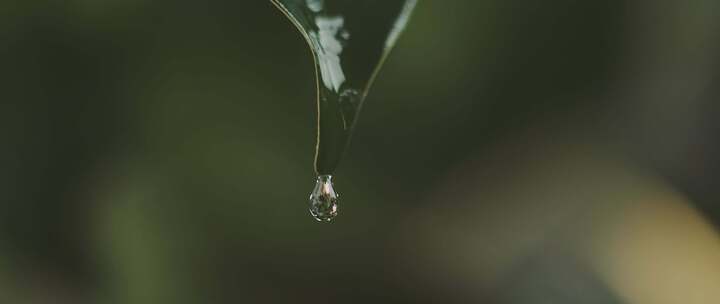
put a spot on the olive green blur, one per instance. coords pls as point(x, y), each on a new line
point(508, 152)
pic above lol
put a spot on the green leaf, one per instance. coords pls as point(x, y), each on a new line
point(349, 39)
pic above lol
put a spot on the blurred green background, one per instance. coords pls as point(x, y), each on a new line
point(510, 152)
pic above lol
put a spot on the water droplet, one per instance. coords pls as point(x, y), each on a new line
point(324, 199)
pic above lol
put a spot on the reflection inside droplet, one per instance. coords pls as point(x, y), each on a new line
point(323, 199)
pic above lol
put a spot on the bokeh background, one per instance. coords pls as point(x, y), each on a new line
point(510, 152)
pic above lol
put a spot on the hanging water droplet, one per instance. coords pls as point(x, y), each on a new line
point(324, 199)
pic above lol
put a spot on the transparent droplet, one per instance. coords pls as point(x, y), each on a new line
point(324, 199)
